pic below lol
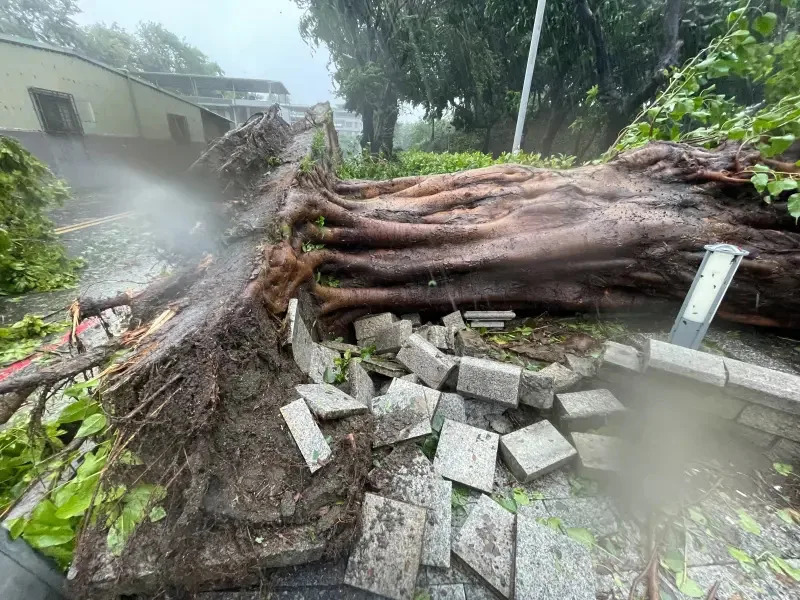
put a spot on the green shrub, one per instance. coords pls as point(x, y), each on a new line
point(416, 162)
point(31, 258)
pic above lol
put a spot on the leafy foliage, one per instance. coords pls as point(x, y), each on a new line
point(20, 339)
point(53, 524)
point(415, 162)
point(30, 256)
point(743, 88)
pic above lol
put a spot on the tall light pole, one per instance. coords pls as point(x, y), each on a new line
point(526, 87)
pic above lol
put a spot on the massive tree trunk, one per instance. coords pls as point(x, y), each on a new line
point(198, 398)
point(623, 235)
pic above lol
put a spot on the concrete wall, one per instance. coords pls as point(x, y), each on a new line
point(107, 102)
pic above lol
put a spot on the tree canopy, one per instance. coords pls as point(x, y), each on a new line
point(151, 47)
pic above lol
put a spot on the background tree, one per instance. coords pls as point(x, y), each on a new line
point(43, 20)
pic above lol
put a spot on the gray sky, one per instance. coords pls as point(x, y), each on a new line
point(248, 38)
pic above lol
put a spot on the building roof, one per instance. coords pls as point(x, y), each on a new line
point(12, 39)
point(206, 85)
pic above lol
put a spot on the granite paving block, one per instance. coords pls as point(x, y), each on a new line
point(582, 365)
point(600, 456)
point(306, 434)
point(341, 347)
point(554, 484)
point(489, 315)
point(535, 389)
point(581, 411)
point(321, 362)
point(759, 584)
point(415, 319)
point(564, 379)
point(486, 545)
point(769, 387)
point(302, 342)
point(398, 417)
point(452, 591)
point(385, 559)
point(289, 320)
point(451, 406)
point(549, 564)
point(406, 458)
point(786, 451)
point(467, 455)
point(329, 402)
point(489, 380)
point(383, 366)
point(433, 494)
point(596, 514)
point(361, 386)
point(535, 450)
point(427, 361)
point(441, 337)
point(772, 421)
point(455, 320)
point(392, 337)
point(412, 377)
point(470, 343)
point(622, 357)
point(479, 413)
point(700, 366)
point(760, 439)
point(368, 327)
point(487, 324)
point(403, 386)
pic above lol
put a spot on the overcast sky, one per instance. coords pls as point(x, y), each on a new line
point(248, 38)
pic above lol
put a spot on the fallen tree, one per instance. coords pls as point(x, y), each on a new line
point(197, 399)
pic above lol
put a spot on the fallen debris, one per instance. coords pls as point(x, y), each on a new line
point(400, 416)
point(489, 380)
point(306, 434)
point(329, 402)
point(426, 361)
point(592, 409)
point(600, 455)
point(467, 455)
point(535, 451)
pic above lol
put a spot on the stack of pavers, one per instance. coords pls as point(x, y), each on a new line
point(489, 319)
point(423, 380)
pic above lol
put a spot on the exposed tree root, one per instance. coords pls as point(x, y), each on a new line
point(623, 235)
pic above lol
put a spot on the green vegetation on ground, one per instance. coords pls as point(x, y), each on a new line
point(31, 258)
point(20, 339)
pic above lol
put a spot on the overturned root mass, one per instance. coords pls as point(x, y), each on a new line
point(624, 235)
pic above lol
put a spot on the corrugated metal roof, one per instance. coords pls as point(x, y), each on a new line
point(12, 39)
point(205, 85)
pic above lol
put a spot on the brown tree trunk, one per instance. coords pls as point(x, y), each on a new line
point(625, 234)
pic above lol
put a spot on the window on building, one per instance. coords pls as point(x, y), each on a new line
point(179, 128)
point(56, 111)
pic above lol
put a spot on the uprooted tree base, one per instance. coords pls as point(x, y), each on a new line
point(198, 400)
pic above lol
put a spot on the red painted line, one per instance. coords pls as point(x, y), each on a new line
point(64, 340)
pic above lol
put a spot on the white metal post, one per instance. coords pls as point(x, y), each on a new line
point(526, 87)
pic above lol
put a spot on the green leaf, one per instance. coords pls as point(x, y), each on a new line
point(748, 523)
point(765, 24)
point(777, 144)
point(740, 555)
point(785, 515)
point(781, 185)
point(78, 411)
point(688, 586)
point(157, 513)
point(76, 390)
point(760, 181)
point(551, 522)
point(506, 503)
point(15, 527)
point(92, 425)
point(77, 503)
point(520, 497)
point(782, 468)
point(673, 560)
point(794, 207)
point(780, 566)
point(582, 535)
point(44, 537)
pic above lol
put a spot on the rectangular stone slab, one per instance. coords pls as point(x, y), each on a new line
point(487, 324)
point(427, 361)
point(550, 564)
point(591, 409)
point(486, 545)
point(306, 434)
point(489, 315)
point(368, 327)
point(329, 402)
point(362, 388)
point(535, 451)
point(435, 495)
point(385, 559)
point(536, 389)
point(455, 320)
point(398, 417)
point(301, 340)
point(622, 357)
point(383, 366)
point(392, 337)
point(769, 387)
point(700, 366)
point(441, 337)
point(451, 406)
point(321, 362)
point(403, 386)
point(467, 455)
point(489, 380)
point(600, 455)
point(772, 421)
point(564, 379)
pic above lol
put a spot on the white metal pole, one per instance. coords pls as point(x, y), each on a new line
point(526, 87)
